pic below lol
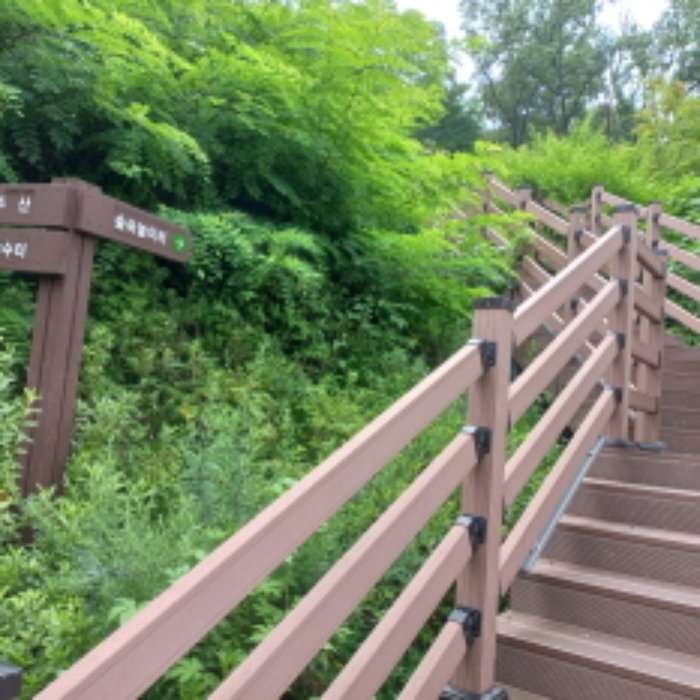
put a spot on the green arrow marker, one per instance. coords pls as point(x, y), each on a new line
point(179, 243)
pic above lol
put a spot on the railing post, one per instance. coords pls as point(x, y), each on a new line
point(478, 586)
point(647, 427)
point(622, 267)
point(596, 226)
point(10, 681)
point(574, 248)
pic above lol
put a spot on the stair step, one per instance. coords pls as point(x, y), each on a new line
point(672, 557)
point(682, 400)
point(664, 614)
point(682, 439)
point(566, 663)
point(678, 417)
point(665, 469)
point(518, 694)
point(638, 504)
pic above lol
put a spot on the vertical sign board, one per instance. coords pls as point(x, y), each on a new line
point(77, 213)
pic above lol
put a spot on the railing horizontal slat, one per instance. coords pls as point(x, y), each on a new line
point(650, 261)
point(139, 652)
point(682, 316)
point(641, 401)
point(688, 288)
point(682, 256)
point(679, 225)
point(616, 201)
point(501, 192)
point(535, 447)
point(548, 218)
point(555, 256)
point(286, 651)
point(531, 383)
point(644, 353)
point(438, 665)
point(382, 650)
point(524, 535)
point(645, 305)
point(530, 314)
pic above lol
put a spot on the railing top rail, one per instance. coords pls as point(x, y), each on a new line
point(537, 308)
point(139, 652)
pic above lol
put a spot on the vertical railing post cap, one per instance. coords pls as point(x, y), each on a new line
point(10, 680)
point(578, 208)
point(524, 186)
point(492, 303)
point(624, 208)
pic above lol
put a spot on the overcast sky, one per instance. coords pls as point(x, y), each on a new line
point(646, 12)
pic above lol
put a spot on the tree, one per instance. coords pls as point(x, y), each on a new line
point(678, 42)
point(539, 64)
point(460, 126)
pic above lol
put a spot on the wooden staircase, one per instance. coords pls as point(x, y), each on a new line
point(612, 610)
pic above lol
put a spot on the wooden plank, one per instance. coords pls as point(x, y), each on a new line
point(524, 535)
point(531, 383)
point(679, 225)
point(548, 218)
point(291, 646)
point(688, 288)
point(140, 651)
point(369, 667)
point(533, 311)
point(36, 205)
point(109, 218)
point(482, 493)
point(650, 260)
point(644, 353)
point(644, 304)
point(546, 248)
point(431, 676)
point(535, 447)
point(55, 364)
point(641, 401)
point(34, 250)
point(682, 256)
point(616, 201)
point(682, 316)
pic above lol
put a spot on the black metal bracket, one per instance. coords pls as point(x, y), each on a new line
point(624, 286)
point(578, 235)
point(451, 692)
point(470, 621)
point(488, 350)
point(621, 339)
point(630, 445)
point(482, 438)
point(626, 234)
point(617, 392)
point(476, 526)
point(575, 303)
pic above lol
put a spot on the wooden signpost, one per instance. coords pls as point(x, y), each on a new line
point(54, 230)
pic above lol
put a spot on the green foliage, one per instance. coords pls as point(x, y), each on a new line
point(566, 168)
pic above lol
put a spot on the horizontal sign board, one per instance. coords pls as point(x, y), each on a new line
point(35, 205)
point(29, 250)
point(109, 218)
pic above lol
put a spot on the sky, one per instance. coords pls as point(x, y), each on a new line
point(646, 12)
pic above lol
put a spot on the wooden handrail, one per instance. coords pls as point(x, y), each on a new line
point(529, 385)
point(297, 639)
point(681, 226)
point(682, 256)
point(533, 521)
point(364, 674)
point(534, 449)
point(616, 201)
point(139, 652)
point(531, 314)
point(125, 664)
